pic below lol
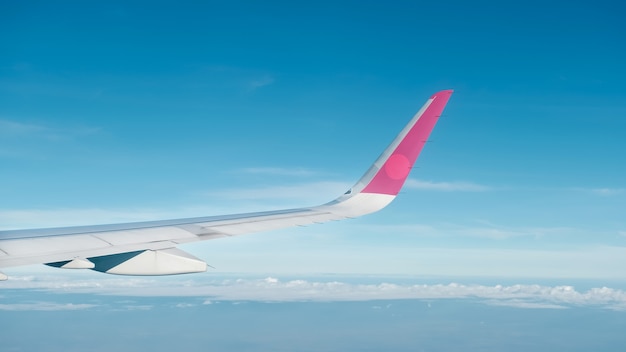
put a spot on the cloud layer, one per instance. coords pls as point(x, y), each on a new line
point(271, 289)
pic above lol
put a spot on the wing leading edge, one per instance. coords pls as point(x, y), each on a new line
point(148, 248)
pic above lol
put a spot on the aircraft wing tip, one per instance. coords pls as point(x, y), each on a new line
point(442, 93)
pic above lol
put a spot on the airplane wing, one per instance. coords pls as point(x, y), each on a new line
point(149, 248)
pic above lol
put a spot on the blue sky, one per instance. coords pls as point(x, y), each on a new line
point(122, 111)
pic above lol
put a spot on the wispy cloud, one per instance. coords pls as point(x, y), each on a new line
point(464, 186)
point(607, 191)
point(241, 77)
point(272, 289)
point(138, 307)
point(601, 191)
point(45, 306)
point(520, 303)
point(299, 194)
point(21, 66)
point(481, 230)
point(259, 82)
point(15, 127)
point(446, 186)
point(19, 129)
point(32, 218)
point(304, 191)
point(279, 171)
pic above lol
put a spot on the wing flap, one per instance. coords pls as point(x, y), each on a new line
point(155, 234)
point(272, 223)
point(64, 254)
point(171, 261)
point(49, 245)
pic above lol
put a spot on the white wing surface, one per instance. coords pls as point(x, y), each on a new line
point(149, 248)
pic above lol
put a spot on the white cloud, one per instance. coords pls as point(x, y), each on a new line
point(272, 289)
point(44, 306)
point(184, 305)
point(446, 186)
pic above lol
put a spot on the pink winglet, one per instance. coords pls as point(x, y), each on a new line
point(394, 172)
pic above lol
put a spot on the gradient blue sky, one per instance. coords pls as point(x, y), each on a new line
point(121, 111)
